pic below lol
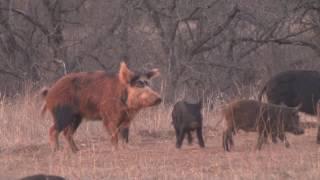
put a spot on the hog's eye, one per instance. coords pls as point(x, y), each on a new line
point(140, 84)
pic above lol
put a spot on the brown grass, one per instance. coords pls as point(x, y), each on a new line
point(151, 153)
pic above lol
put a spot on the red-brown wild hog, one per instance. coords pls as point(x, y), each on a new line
point(113, 98)
point(267, 119)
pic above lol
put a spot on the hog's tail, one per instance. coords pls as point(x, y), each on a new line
point(44, 92)
point(262, 92)
point(43, 109)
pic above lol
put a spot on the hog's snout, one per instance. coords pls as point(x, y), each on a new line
point(298, 131)
point(157, 101)
point(150, 99)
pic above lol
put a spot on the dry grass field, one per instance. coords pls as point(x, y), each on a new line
point(151, 153)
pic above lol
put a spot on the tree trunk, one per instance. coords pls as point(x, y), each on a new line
point(55, 36)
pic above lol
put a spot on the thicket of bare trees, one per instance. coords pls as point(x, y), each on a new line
point(200, 46)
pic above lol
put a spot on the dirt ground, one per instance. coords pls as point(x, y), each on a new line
point(154, 156)
point(151, 152)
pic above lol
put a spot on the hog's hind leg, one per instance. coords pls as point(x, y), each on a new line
point(69, 132)
point(200, 137)
point(284, 139)
point(227, 141)
point(54, 138)
point(63, 117)
point(261, 138)
point(190, 139)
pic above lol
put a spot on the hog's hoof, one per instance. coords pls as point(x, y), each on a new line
point(258, 147)
point(202, 146)
point(287, 145)
point(75, 150)
point(55, 149)
point(126, 146)
point(114, 148)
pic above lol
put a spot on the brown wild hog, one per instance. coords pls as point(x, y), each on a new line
point(267, 119)
point(113, 98)
point(186, 117)
point(295, 87)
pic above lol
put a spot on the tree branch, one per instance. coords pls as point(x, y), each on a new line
point(157, 22)
point(197, 47)
point(285, 42)
point(29, 19)
point(76, 8)
point(2, 71)
point(96, 59)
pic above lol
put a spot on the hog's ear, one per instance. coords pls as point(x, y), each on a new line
point(125, 75)
point(153, 73)
point(297, 108)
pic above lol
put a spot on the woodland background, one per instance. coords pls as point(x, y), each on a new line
point(201, 46)
point(217, 49)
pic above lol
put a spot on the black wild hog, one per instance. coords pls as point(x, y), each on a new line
point(42, 177)
point(113, 98)
point(267, 119)
point(295, 87)
point(187, 117)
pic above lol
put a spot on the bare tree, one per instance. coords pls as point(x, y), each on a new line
point(200, 46)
